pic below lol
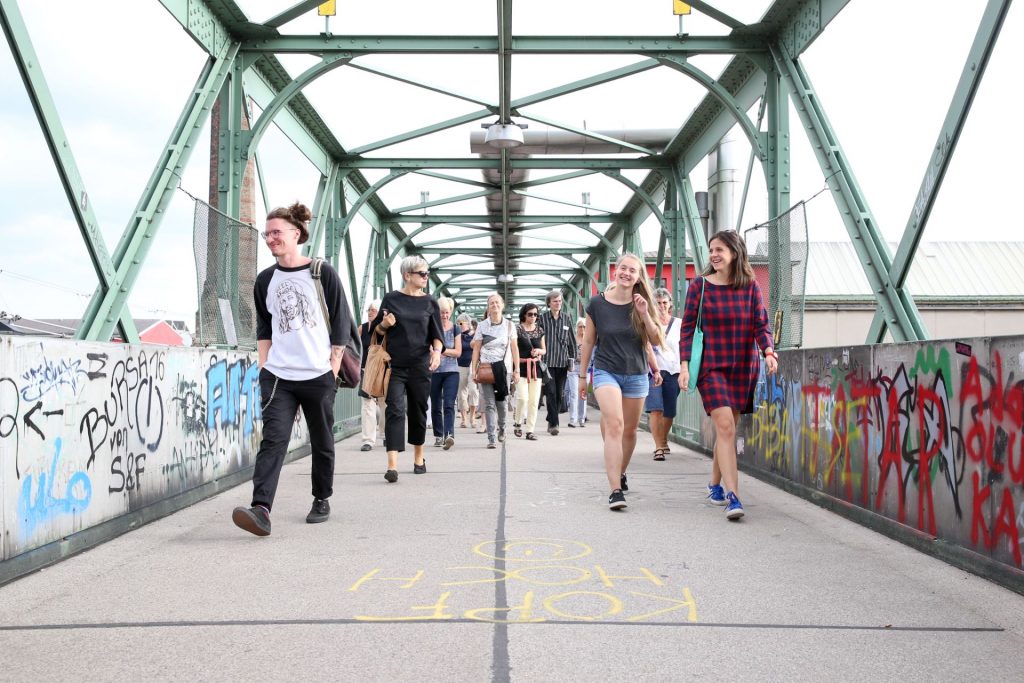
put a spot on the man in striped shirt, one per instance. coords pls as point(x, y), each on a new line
point(560, 341)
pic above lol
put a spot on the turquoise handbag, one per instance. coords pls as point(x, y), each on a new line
point(697, 348)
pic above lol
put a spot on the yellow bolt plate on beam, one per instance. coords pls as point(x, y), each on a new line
point(680, 7)
point(328, 9)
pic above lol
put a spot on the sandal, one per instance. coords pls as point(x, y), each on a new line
point(530, 436)
point(518, 431)
point(659, 453)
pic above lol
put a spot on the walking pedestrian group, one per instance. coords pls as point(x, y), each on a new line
point(629, 350)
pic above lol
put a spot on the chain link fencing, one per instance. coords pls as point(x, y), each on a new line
point(782, 244)
point(225, 252)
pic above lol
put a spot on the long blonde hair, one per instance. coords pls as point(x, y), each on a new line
point(643, 288)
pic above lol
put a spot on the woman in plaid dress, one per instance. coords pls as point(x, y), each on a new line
point(733, 319)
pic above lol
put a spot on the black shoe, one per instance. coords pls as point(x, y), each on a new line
point(617, 500)
point(438, 441)
point(391, 476)
point(552, 430)
point(501, 434)
point(366, 447)
point(255, 520)
point(419, 469)
point(622, 481)
point(320, 511)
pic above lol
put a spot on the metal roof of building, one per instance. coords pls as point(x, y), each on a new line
point(940, 269)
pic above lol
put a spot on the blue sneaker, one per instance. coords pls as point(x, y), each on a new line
point(716, 495)
point(734, 510)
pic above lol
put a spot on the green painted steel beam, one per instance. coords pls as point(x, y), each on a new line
point(942, 154)
point(584, 132)
point(424, 131)
point(304, 140)
point(584, 83)
point(457, 179)
point(103, 312)
point(413, 163)
point(443, 201)
point(415, 82)
point(468, 251)
point(716, 14)
point(489, 218)
point(551, 179)
point(251, 138)
point(564, 202)
point(904, 321)
point(60, 149)
point(293, 12)
point(355, 45)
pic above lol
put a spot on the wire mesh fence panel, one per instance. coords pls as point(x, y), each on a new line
point(225, 251)
point(781, 243)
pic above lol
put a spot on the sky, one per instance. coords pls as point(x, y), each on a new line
point(884, 72)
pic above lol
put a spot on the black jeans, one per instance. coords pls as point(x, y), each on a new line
point(553, 391)
point(408, 391)
point(279, 407)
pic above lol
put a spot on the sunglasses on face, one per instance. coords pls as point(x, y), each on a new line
point(421, 273)
point(532, 314)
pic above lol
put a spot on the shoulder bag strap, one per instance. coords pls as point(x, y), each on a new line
point(700, 306)
point(314, 271)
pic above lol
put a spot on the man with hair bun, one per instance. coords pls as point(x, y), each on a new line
point(299, 358)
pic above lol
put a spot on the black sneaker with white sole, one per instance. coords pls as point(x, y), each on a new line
point(617, 500)
point(622, 483)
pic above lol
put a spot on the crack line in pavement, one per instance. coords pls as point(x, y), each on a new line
point(500, 667)
point(501, 626)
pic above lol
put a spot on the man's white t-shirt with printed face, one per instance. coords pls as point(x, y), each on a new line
point(301, 347)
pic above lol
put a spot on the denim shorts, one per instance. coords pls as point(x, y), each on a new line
point(631, 386)
point(664, 398)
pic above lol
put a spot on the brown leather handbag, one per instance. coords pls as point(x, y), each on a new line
point(377, 372)
point(484, 374)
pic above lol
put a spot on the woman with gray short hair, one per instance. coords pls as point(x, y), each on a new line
point(411, 319)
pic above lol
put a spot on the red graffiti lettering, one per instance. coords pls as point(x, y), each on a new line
point(865, 393)
point(1006, 525)
point(928, 451)
point(891, 455)
point(981, 495)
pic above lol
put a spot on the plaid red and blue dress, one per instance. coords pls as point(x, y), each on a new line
point(733, 320)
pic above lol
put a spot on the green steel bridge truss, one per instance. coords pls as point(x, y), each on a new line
point(764, 66)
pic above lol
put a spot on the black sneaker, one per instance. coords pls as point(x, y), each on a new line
point(391, 476)
point(622, 482)
point(419, 469)
point(617, 500)
point(553, 430)
point(320, 511)
point(255, 520)
point(438, 441)
point(366, 447)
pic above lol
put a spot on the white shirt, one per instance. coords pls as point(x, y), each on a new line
point(301, 347)
point(668, 355)
point(494, 347)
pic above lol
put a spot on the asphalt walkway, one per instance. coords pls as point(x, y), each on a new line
point(506, 565)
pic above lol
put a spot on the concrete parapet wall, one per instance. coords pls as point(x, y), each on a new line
point(927, 435)
point(92, 432)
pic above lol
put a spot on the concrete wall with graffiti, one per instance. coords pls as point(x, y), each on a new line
point(92, 431)
point(930, 435)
